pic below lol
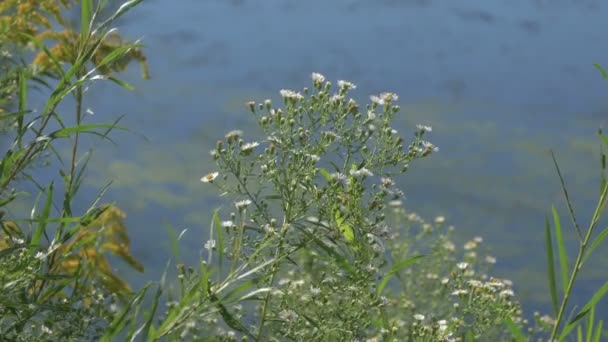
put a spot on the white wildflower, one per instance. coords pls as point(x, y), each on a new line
point(210, 177)
point(336, 98)
point(209, 245)
point(227, 224)
point(376, 100)
point(388, 97)
point(242, 204)
point(490, 259)
point(290, 94)
point(288, 315)
point(506, 293)
point(470, 245)
point(361, 172)
point(248, 147)
point(439, 220)
point(234, 134)
point(462, 265)
point(46, 330)
point(419, 317)
point(346, 85)
point(317, 77)
point(424, 128)
point(371, 115)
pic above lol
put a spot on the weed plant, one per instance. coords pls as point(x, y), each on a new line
point(314, 245)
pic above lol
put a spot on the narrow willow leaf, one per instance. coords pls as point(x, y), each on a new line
point(174, 242)
point(561, 249)
point(217, 224)
point(325, 174)
point(121, 319)
point(395, 269)
point(602, 71)
point(46, 212)
point(585, 310)
point(550, 265)
point(516, 332)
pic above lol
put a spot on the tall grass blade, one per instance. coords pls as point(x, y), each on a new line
point(586, 309)
point(590, 321)
point(86, 9)
point(561, 249)
point(567, 197)
point(598, 332)
point(550, 266)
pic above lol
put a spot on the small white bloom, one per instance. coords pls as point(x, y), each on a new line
point(234, 134)
point(227, 224)
point(317, 77)
point(313, 157)
point(361, 172)
point(340, 178)
point(248, 147)
point(346, 85)
point(46, 330)
point(40, 256)
point(242, 204)
point(336, 98)
point(288, 315)
point(388, 97)
point(395, 203)
point(371, 115)
point(315, 291)
point(462, 265)
point(439, 219)
point(478, 239)
point(209, 245)
point(210, 177)
point(506, 293)
point(424, 128)
point(459, 292)
point(470, 245)
point(490, 259)
point(419, 317)
point(376, 100)
point(290, 94)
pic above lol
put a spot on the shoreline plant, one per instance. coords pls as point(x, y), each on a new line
point(316, 243)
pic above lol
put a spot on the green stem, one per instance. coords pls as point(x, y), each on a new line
point(578, 263)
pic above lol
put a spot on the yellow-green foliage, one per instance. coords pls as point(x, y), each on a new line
point(86, 252)
point(27, 23)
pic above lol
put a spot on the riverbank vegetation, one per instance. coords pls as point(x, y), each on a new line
point(314, 242)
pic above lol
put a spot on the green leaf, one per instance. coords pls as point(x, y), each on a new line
point(550, 265)
point(325, 174)
point(346, 230)
point(518, 335)
point(121, 319)
point(395, 269)
point(217, 224)
point(598, 332)
point(601, 69)
point(561, 249)
point(86, 9)
point(585, 310)
point(46, 212)
point(596, 242)
point(174, 242)
point(68, 131)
